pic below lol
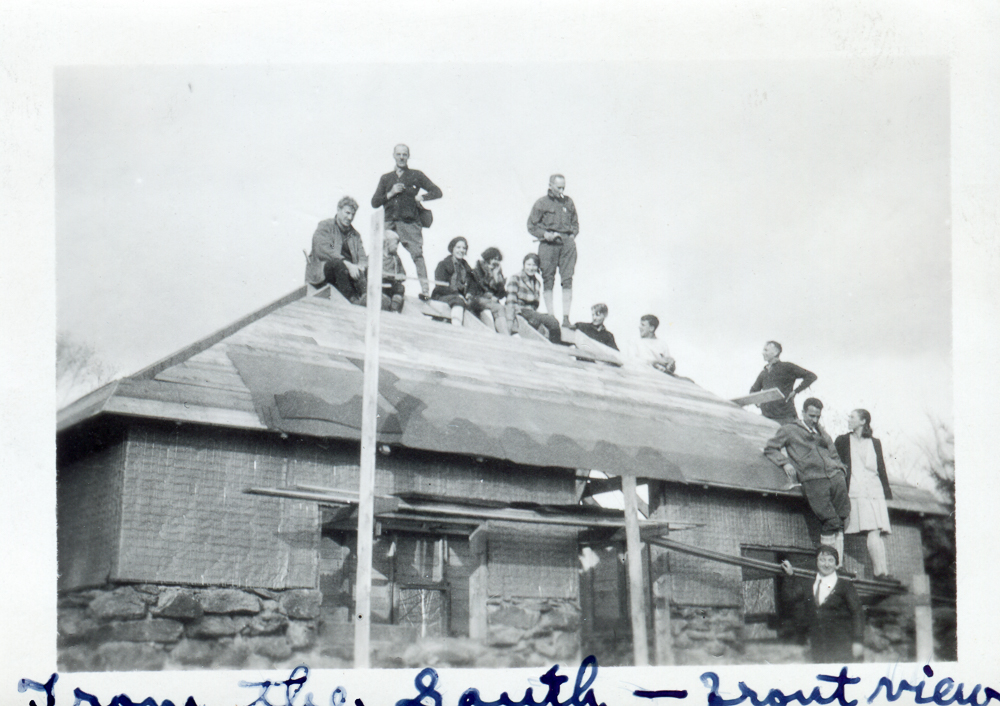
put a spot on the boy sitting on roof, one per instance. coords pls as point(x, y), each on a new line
point(596, 329)
point(338, 255)
point(393, 274)
point(650, 350)
point(523, 294)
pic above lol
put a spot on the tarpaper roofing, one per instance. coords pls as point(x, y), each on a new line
point(296, 366)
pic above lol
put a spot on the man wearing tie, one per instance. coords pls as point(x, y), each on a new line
point(832, 609)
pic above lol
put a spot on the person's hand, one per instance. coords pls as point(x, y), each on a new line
point(670, 364)
point(787, 568)
point(551, 236)
point(858, 650)
point(352, 269)
point(397, 188)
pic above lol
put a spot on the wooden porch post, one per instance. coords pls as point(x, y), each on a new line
point(923, 620)
point(636, 591)
point(366, 483)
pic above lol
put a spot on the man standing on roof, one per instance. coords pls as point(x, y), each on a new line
point(402, 192)
point(650, 350)
point(806, 453)
point(338, 255)
point(554, 225)
point(782, 375)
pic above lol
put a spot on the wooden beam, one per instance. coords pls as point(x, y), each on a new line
point(366, 481)
point(923, 620)
point(637, 598)
point(771, 394)
point(479, 583)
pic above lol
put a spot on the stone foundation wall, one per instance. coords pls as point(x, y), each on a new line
point(528, 632)
point(149, 627)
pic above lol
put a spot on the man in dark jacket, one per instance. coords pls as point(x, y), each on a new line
point(595, 329)
point(338, 255)
point(782, 375)
point(402, 192)
point(830, 608)
point(807, 454)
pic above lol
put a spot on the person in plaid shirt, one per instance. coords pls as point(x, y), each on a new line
point(523, 294)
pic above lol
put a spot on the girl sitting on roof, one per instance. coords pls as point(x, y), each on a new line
point(523, 291)
point(487, 288)
point(452, 277)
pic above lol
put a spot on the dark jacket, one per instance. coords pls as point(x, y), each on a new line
point(458, 278)
point(403, 206)
point(601, 335)
point(782, 375)
point(483, 283)
point(843, 444)
point(833, 626)
point(555, 213)
point(327, 246)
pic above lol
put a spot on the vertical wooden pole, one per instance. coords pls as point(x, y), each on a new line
point(479, 584)
point(637, 596)
point(369, 419)
point(923, 620)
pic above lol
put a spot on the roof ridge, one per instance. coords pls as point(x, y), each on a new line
point(151, 371)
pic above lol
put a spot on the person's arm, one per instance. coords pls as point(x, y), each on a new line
point(808, 378)
point(442, 274)
point(324, 243)
point(362, 255)
point(574, 222)
point(882, 475)
point(775, 452)
point(857, 618)
point(758, 384)
point(612, 337)
point(381, 192)
point(535, 221)
point(431, 189)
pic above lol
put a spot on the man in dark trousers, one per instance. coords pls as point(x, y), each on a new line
point(402, 192)
point(806, 453)
point(338, 255)
point(782, 375)
point(554, 224)
point(830, 608)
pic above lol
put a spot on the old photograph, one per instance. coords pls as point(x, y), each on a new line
point(664, 356)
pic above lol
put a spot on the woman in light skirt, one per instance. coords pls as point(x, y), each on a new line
point(868, 487)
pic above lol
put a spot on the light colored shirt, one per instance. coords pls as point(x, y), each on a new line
point(647, 351)
point(823, 587)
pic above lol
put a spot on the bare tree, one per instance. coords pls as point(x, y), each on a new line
point(79, 369)
point(939, 537)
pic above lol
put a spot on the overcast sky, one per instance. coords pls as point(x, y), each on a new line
point(804, 201)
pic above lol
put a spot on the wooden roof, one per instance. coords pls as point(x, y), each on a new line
point(296, 367)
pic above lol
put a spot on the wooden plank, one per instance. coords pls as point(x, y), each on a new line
point(923, 620)
point(771, 394)
point(158, 409)
point(366, 480)
point(636, 591)
point(479, 584)
point(524, 330)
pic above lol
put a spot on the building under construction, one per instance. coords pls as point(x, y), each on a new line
point(207, 507)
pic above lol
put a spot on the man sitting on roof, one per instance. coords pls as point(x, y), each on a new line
point(596, 329)
point(650, 350)
point(338, 255)
point(523, 291)
point(393, 274)
point(808, 456)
